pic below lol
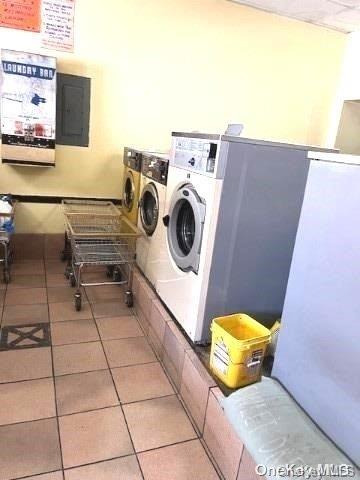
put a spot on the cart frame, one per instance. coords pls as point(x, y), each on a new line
point(85, 207)
point(99, 234)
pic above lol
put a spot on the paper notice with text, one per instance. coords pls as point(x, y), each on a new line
point(58, 24)
point(21, 14)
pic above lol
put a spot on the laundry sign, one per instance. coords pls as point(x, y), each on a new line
point(28, 108)
point(58, 24)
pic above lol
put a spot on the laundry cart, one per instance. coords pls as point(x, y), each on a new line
point(6, 231)
point(85, 207)
point(101, 238)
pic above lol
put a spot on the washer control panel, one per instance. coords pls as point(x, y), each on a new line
point(155, 167)
point(132, 159)
point(198, 155)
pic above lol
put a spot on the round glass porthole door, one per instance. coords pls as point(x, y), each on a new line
point(185, 228)
point(149, 208)
point(129, 192)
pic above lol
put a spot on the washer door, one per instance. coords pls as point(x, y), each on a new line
point(129, 192)
point(149, 208)
point(185, 228)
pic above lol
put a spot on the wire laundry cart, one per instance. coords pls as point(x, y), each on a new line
point(85, 207)
point(101, 238)
point(5, 241)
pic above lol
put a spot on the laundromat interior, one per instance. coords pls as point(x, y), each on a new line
point(179, 239)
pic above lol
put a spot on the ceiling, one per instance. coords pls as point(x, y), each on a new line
point(343, 15)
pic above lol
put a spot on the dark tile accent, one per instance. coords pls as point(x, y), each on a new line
point(26, 336)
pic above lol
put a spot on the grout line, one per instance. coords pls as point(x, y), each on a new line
point(122, 410)
point(99, 461)
point(26, 379)
point(180, 442)
point(212, 459)
point(206, 409)
point(206, 448)
point(107, 407)
point(79, 373)
point(173, 384)
point(241, 459)
point(55, 396)
point(188, 413)
point(27, 421)
point(36, 475)
point(134, 365)
point(148, 399)
point(75, 343)
point(26, 305)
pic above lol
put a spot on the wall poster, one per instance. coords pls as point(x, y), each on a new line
point(28, 108)
point(58, 24)
point(21, 14)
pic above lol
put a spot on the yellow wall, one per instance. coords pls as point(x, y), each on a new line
point(164, 65)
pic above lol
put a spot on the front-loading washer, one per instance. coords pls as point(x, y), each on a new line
point(132, 161)
point(232, 210)
point(150, 247)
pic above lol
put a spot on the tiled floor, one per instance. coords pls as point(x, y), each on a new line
point(95, 403)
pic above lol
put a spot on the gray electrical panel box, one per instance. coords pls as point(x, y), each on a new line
point(72, 110)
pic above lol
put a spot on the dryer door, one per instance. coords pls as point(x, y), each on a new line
point(129, 192)
point(185, 228)
point(149, 208)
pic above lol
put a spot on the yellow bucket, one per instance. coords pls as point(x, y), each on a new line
point(237, 349)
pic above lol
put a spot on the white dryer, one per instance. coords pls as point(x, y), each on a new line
point(232, 211)
point(150, 247)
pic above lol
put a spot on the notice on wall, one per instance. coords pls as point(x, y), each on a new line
point(21, 14)
point(58, 24)
point(28, 108)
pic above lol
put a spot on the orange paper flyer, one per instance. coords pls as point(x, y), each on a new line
point(21, 14)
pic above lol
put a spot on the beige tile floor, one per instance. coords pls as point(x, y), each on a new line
point(94, 404)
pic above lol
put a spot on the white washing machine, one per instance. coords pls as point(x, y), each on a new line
point(232, 211)
point(150, 247)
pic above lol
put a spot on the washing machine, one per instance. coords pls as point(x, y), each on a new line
point(231, 213)
point(151, 246)
point(131, 183)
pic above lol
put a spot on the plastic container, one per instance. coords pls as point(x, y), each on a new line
point(238, 347)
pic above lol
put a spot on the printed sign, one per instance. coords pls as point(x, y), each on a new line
point(58, 24)
point(28, 108)
point(21, 14)
point(221, 357)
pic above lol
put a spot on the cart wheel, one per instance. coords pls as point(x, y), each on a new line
point(77, 301)
point(110, 272)
point(72, 279)
point(129, 299)
point(7, 277)
point(117, 275)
